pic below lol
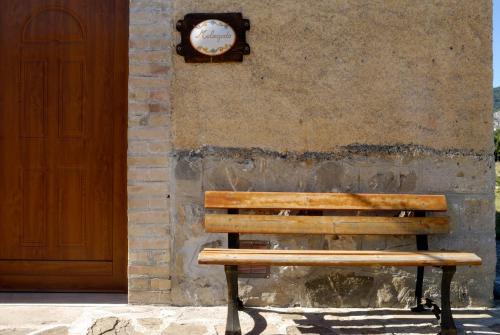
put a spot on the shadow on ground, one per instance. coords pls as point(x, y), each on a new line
point(119, 319)
point(379, 321)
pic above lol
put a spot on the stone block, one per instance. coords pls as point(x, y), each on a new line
point(149, 270)
point(149, 297)
point(149, 216)
point(148, 243)
point(139, 257)
point(148, 189)
point(161, 284)
point(138, 284)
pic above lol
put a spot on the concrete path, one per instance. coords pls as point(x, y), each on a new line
point(117, 318)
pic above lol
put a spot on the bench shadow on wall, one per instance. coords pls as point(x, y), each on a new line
point(380, 321)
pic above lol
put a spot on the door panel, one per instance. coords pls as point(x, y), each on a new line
point(71, 95)
point(63, 73)
point(34, 220)
point(34, 84)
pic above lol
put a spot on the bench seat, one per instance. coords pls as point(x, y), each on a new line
point(335, 257)
point(358, 214)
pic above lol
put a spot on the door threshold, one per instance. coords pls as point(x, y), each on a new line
point(63, 298)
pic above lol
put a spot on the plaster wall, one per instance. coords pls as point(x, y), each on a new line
point(324, 74)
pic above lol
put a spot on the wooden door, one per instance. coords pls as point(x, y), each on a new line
point(63, 109)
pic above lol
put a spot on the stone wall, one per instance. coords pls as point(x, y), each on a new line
point(373, 169)
point(348, 96)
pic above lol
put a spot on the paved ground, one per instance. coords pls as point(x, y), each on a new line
point(24, 316)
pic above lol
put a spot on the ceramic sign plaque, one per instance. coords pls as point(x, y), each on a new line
point(212, 37)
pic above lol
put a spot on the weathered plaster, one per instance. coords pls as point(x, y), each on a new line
point(324, 74)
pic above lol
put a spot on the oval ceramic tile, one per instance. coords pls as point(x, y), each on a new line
point(212, 37)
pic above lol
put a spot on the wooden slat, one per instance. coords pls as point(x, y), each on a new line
point(324, 201)
point(342, 225)
point(312, 252)
point(335, 258)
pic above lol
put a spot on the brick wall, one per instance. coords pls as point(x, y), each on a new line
point(148, 152)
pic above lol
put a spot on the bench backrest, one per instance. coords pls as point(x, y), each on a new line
point(383, 222)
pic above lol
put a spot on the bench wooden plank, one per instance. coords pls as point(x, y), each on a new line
point(335, 258)
point(324, 252)
point(316, 252)
point(342, 225)
point(324, 201)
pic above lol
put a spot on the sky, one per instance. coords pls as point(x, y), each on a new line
point(496, 43)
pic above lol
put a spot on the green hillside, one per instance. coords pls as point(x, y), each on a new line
point(496, 99)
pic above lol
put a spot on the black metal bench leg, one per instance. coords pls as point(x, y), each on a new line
point(233, 321)
point(447, 324)
point(418, 290)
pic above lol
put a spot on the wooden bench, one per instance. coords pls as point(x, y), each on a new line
point(314, 213)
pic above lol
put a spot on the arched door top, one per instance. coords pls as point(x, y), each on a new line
point(53, 24)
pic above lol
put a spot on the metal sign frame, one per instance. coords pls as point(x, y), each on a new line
point(235, 54)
